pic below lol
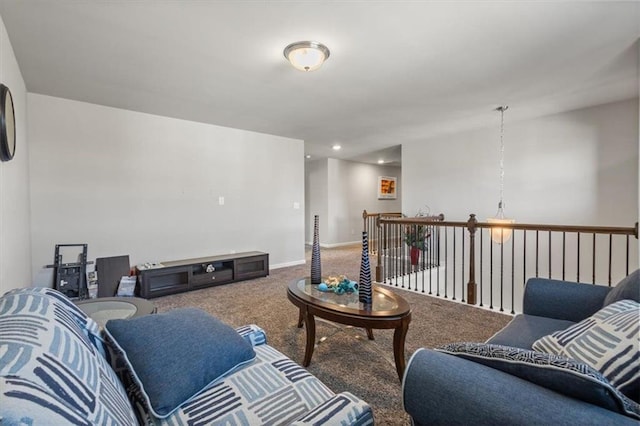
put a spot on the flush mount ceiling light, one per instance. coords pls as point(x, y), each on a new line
point(306, 55)
point(336, 147)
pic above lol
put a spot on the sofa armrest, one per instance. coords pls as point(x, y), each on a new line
point(442, 389)
point(562, 300)
point(342, 409)
point(253, 334)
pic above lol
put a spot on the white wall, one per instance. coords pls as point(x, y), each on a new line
point(316, 196)
point(149, 186)
point(574, 168)
point(578, 167)
point(15, 234)
point(342, 190)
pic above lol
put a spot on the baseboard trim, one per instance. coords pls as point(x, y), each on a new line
point(286, 264)
point(349, 243)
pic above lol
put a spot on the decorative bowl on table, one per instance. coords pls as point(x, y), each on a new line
point(339, 284)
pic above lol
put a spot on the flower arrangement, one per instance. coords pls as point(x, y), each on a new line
point(416, 235)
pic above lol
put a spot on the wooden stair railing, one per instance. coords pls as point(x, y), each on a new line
point(370, 226)
point(394, 241)
point(465, 250)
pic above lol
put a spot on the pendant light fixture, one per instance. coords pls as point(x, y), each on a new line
point(499, 234)
point(306, 55)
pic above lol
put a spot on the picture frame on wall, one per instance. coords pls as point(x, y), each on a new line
point(387, 187)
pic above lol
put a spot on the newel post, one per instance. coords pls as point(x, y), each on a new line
point(472, 286)
point(364, 220)
point(381, 243)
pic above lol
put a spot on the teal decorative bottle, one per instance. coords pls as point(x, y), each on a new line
point(365, 293)
point(316, 273)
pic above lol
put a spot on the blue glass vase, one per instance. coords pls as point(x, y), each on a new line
point(316, 273)
point(365, 293)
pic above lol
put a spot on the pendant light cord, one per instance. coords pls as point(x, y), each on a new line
point(502, 109)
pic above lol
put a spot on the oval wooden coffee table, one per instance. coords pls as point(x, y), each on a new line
point(388, 310)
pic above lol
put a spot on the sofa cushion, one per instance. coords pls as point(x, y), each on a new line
point(175, 355)
point(271, 390)
point(523, 330)
point(627, 288)
point(608, 341)
point(548, 298)
point(51, 370)
point(560, 374)
point(342, 409)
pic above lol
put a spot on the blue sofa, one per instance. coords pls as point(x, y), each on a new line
point(57, 367)
point(502, 381)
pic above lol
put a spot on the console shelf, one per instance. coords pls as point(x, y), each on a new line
point(177, 276)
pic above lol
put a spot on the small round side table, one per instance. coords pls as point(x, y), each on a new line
point(103, 309)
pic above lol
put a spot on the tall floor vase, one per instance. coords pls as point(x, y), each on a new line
point(316, 273)
point(365, 293)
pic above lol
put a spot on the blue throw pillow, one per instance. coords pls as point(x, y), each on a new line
point(563, 375)
point(175, 355)
point(627, 288)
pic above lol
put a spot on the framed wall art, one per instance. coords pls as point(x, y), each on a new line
point(387, 188)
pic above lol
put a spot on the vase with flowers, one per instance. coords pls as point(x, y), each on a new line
point(416, 237)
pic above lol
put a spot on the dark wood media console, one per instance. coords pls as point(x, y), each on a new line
point(191, 274)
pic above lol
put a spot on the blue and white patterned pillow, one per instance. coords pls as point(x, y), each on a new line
point(608, 341)
point(50, 369)
point(563, 375)
point(253, 334)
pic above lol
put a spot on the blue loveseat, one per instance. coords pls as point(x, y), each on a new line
point(57, 367)
point(504, 381)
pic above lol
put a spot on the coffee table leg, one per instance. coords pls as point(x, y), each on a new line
point(310, 324)
point(369, 333)
point(398, 345)
point(300, 319)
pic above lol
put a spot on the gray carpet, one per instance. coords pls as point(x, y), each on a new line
point(346, 360)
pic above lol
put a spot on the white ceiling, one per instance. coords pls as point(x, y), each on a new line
point(399, 71)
